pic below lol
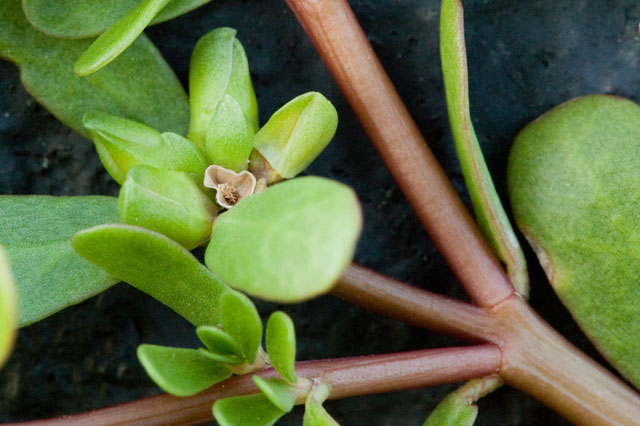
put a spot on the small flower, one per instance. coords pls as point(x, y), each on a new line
point(231, 187)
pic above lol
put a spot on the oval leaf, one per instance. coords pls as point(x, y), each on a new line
point(281, 345)
point(36, 232)
point(492, 219)
point(288, 243)
point(139, 85)
point(88, 18)
point(8, 315)
point(181, 372)
point(155, 265)
point(222, 359)
point(248, 410)
point(218, 341)
point(241, 320)
point(279, 392)
point(574, 181)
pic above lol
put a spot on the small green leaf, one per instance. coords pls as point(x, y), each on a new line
point(492, 219)
point(8, 314)
point(122, 144)
point(181, 372)
point(248, 410)
point(297, 133)
point(218, 66)
point(241, 320)
point(139, 85)
point(88, 18)
point(218, 341)
point(229, 138)
point(574, 182)
point(222, 359)
point(168, 202)
point(458, 408)
point(278, 391)
point(314, 412)
point(118, 37)
point(281, 345)
point(36, 232)
point(289, 243)
point(155, 265)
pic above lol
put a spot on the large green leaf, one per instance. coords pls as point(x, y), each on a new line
point(7, 309)
point(574, 181)
point(156, 265)
point(138, 85)
point(491, 216)
point(288, 243)
point(36, 232)
point(87, 18)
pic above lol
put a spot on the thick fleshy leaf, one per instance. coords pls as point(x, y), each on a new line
point(492, 219)
point(122, 144)
point(574, 182)
point(218, 67)
point(118, 37)
point(138, 85)
point(314, 412)
point(248, 410)
point(179, 371)
point(222, 359)
point(155, 265)
point(88, 18)
point(168, 202)
point(229, 137)
point(241, 320)
point(278, 391)
point(36, 232)
point(8, 315)
point(281, 345)
point(458, 408)
point(296, 134)
point(218, 341)
point(289, 243)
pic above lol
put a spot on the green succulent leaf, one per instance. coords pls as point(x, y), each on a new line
point(218, 341)
point(88, 18)
point(218, 67)
point(279, 392)
point(167, 202)
point(139, 85)
point(458, 408)
point(241, 320)
point(297, 133)
point(229, 137)
point(574, 182)
point(314, 412)
point(281, 345)
point(222, 359)
point(155, 265)
point(492, 219)
point(118, 37)
point(248, 410)
point(36, 233)
point(122, 144)
point(8, 314)
point(179, 371)
point(289, 243)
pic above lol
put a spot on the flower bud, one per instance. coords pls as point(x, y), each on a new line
point(168, 202)
point(218, 67)
point(229, 137)
point(295, 135)
point(122, 144)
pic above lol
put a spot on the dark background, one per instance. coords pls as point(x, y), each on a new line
point(524, 57)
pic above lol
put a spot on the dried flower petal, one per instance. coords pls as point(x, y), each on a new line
point(231, 187)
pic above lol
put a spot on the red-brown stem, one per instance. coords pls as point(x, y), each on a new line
point(346, 376)
point(343, 46)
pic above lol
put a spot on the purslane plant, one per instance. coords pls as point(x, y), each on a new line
point(524, 346)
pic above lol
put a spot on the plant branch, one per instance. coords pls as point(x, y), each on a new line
point(343, 46)
point(346, 376)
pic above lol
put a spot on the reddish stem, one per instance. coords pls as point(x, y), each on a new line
point(343, 46)
point(346, 376)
